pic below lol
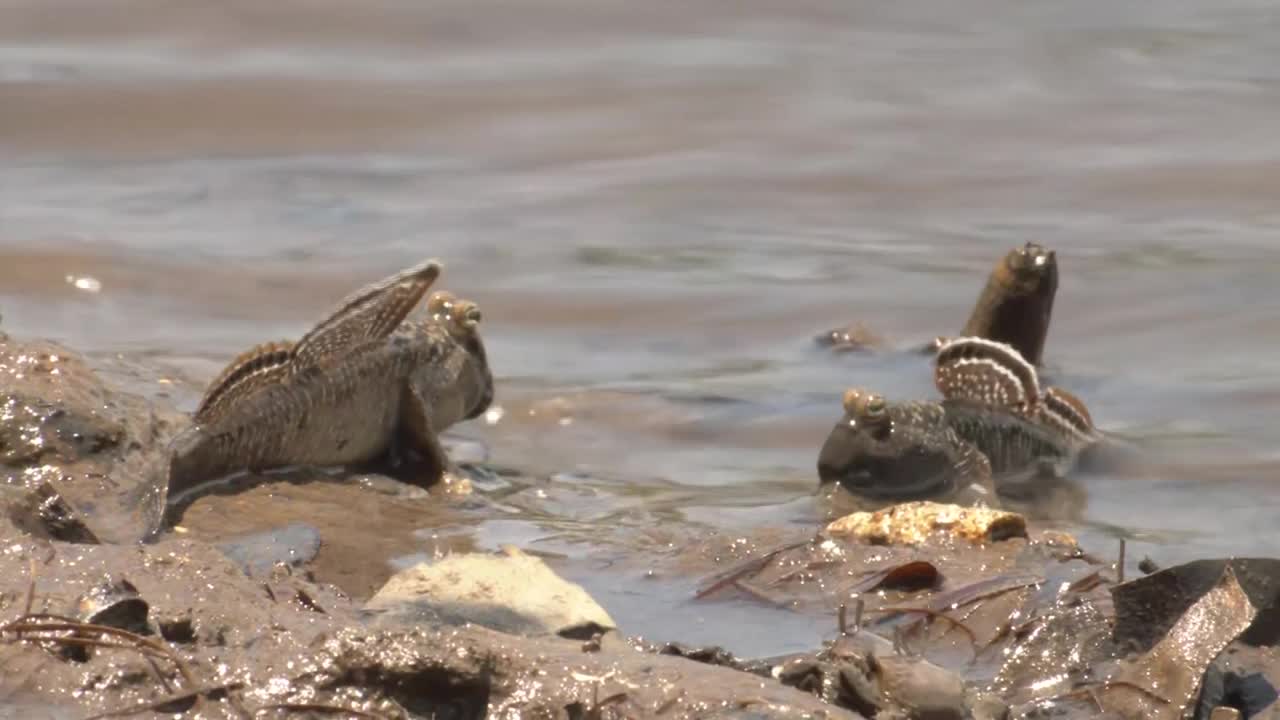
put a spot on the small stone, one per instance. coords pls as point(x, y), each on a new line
point(513, 593)
point(114, 603)
point(293, 545)
point(914, 522)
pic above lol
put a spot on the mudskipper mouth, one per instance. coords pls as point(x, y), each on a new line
point(870, 484)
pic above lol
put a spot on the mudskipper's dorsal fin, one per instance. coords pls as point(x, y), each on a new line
point(987, 372)
point(1068, 413)
point(369, 314)
point(254, 369)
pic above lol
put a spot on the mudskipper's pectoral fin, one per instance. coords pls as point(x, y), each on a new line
point(971, 479)
point(369, 314)
point(974, 465)
point(988, 373)
point(417, 433)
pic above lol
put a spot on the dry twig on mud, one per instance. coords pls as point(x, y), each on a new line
point(930, 612)
point(319, 708)
point(33, 627)
point(1091, 691)
point(60, 630)
point(747, 568)
point(159, 704)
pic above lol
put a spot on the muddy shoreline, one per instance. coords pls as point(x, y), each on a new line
point(242, 620)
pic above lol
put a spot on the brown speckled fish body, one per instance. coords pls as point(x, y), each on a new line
point(995, 423)
point(362, 379)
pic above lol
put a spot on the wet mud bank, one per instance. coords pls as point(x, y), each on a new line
point(934, 612)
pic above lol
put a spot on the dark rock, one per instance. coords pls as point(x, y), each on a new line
point(114, 603)
point(851, 338)
point(1244, 678)
point(713, 655)
point(1168, 676)
point(1147, 607)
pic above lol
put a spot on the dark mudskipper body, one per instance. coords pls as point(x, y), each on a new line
point(1014, 307)
point(1016, 304)
point(902, 451)
point(363, 382)
point(994, 427)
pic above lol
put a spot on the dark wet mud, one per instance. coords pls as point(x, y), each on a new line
point(226, 615)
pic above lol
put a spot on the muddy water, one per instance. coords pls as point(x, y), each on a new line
point(657, 205)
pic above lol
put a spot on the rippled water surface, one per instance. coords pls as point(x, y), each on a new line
point(657, 205)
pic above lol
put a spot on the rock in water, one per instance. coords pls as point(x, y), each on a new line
point(294, 544)
point(513, 593)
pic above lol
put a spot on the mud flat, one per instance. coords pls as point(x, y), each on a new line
point(934, 613)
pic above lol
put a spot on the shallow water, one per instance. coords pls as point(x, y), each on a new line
point(657, 205)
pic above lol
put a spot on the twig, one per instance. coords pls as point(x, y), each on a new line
point(899, 641)
point(91, 642)
point(842, 616)
point(155, 705)
point(757, 593)
point(793, 574)
point(1097, 701)
point(1120, 563)
point(1008, 629)
point(752, 566)
point(1091, 692)
point(65, 624)
point(318, 707)
point(669, 703)
point(31, 589)
point(973, 637)
point(155, 672)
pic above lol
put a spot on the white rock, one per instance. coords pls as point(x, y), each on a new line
point(513, 593)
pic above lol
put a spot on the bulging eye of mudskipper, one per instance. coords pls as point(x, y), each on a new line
point(866, 408)
point(1029, 259)
point(440, 304)
point(874, 408)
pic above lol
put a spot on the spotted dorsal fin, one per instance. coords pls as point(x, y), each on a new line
point(987, 372)
point(1066, 412)
point(253, 370)
point(369, 314)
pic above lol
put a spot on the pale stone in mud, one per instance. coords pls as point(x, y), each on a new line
point(513, 593)
point(285, 638)
point(915, 522)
